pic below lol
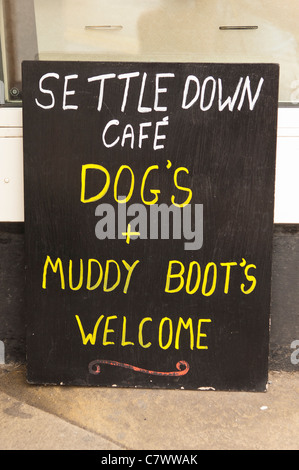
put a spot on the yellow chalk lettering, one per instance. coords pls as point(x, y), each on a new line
point(107, 330)
point(227, 277)
point(129, 234)
point(109, 289)
point(188, 190)
point(200, 334)
point(88, 282)
point(79, 285)
point(123, 201)
point(153, 191)
point(58, 264)
point(198, 277)
point(250, 278)
point(124, 332)
point(205, 279)
point(170, 335)
point(91, 336)
point(186, 325)
point(129, 275)
point(102, 193)
point(170, 276)
point(140, 333)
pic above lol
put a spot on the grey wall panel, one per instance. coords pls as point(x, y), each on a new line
point(285, 296)
point(12, 309)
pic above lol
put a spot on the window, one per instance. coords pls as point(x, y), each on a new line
point(150, 30)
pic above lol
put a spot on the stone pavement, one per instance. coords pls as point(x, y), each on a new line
point(74, 418)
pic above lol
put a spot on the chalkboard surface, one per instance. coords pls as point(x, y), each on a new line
point(149, 193)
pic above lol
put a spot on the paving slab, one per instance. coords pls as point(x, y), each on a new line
point(25, 427)
point(141, 419)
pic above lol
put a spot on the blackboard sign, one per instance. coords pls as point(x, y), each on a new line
point(149, 192)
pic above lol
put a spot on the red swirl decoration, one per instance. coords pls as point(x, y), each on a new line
point(182, 368)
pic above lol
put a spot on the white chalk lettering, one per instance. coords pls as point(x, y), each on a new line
point(128, 77)
point(46, 91)
point(247, 89)
point(67, 92)
point(102, 79)
point(143, 109)
point(194, 92)
point(153, 95)
point(159, 90)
